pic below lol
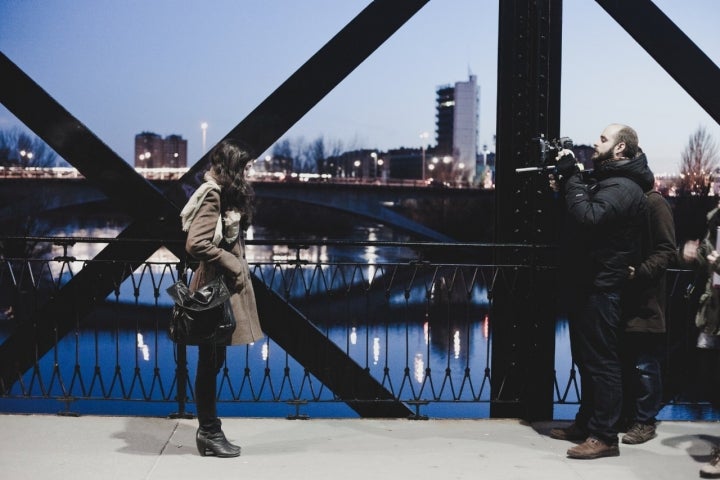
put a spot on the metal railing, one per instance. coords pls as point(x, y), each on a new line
point(419, 326)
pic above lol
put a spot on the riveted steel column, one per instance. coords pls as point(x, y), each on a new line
point(523, 312)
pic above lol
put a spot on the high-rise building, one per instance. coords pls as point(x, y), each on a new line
point(175, 151)
point(152, 151)
point(444, 121)
point(457, 124)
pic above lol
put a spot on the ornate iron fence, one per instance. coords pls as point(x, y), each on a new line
point(417, 322)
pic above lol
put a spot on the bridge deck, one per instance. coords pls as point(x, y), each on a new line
point(49, 447)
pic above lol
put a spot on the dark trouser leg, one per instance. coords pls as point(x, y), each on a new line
point(586, 396)
point(647, 375)
point(629, 382)
point(598, 345)
point(210, 361)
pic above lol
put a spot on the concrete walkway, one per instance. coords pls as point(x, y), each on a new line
point(40, 447)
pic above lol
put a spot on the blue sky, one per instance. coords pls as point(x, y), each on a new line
point(126, 66)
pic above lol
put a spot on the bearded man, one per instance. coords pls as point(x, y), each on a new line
point(606, 211)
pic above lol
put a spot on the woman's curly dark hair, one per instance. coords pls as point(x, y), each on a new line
point(227, 165)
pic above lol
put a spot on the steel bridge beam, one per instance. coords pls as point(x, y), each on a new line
point(671, 49)
point(523, 313)
point(156, 215)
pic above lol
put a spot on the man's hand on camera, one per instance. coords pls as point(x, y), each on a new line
point(566, 165)
point(553, 183)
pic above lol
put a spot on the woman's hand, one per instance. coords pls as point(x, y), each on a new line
point(689, 251)
point(712, 257)
point(239, 283)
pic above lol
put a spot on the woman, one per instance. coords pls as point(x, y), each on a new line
point(703, 255)
point(215, 218)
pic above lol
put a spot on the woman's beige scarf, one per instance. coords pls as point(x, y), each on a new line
point(230, 219)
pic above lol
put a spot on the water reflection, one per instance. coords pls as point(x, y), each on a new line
point(371, 256)
point(142, 347)
point(419, 368)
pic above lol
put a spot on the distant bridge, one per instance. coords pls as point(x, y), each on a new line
point(21, 197)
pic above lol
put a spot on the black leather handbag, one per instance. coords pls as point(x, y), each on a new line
point(201, 317)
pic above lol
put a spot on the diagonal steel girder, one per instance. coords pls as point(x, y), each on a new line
point(671, 48)
point(77, 144)
point(156, 219)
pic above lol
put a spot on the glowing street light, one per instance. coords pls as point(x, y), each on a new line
point(375, 158)
point(26, 157)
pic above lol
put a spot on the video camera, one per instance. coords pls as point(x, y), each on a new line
point(547, 151)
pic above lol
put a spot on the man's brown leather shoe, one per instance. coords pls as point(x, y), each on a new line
point(593, 448)
point(571, 432)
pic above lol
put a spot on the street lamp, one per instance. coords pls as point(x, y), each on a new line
point(204, 126)
point(424, 136)
point(374, 156)
point(26, 157)
point(145, 160)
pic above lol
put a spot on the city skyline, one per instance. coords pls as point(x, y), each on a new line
point(170, 68)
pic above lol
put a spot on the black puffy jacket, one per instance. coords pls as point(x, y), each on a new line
point(606, 211)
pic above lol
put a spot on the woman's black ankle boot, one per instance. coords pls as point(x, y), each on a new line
point(216, 444)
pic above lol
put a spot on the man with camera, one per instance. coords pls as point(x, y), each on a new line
point(606, 212)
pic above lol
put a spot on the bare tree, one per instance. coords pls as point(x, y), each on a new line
point(307, 157)
point(291, 154)
point(316, 155)
point(319, 152)
point(699, 161)
point(283, 155)
point(18, 148)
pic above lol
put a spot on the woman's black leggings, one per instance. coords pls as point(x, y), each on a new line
point(210, 360)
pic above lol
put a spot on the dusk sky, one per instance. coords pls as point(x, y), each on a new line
point(123, 67)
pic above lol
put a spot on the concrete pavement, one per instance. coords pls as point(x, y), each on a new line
point(41, 447)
